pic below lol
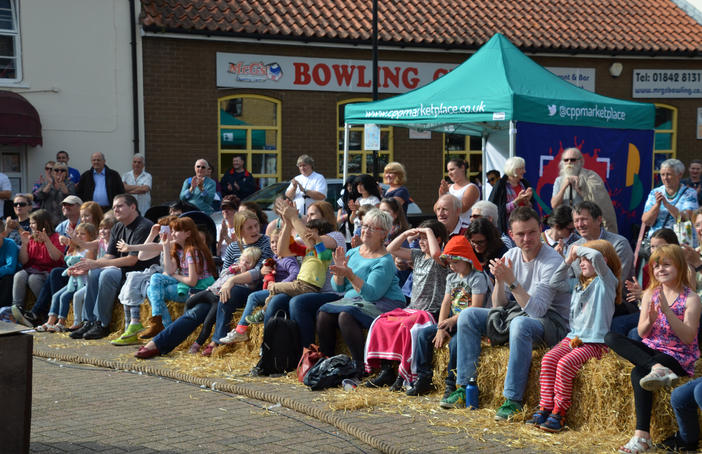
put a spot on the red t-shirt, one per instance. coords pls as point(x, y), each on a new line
point(39, 258)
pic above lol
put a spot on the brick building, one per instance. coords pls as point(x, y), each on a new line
point(269, 79)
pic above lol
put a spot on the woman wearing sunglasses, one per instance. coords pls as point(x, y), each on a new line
point(57, 188)
point(22, 204)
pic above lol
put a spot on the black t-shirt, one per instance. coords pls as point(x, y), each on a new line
point(134, 233)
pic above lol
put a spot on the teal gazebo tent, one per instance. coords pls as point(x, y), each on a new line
point(490, 92)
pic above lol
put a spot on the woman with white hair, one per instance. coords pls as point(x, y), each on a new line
point(511, 191)
point(366, 277)
point(671, 200)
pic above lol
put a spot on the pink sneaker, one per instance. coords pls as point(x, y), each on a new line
point(194, 348)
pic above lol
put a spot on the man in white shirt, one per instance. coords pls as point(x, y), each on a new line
point(137, 182)
point(308, 187)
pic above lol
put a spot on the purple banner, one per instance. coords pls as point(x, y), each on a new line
point(621, 157)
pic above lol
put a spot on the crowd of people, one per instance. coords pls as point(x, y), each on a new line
point(481, 269)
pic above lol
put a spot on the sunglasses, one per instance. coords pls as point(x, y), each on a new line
point(570, 159)
point(200, 167)
point(59, 170)
point(20, 204)
point(48, 168)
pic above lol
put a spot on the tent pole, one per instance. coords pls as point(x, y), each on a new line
point(346, 151)
point(483, 178)
point(512, 138)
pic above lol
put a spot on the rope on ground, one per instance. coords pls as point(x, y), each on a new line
point(327, 417)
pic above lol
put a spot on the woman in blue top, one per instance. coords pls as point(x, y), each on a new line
point(366, 277)
point(200, 189)
point(671, 200)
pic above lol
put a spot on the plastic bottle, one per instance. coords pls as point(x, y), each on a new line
point(472, 394)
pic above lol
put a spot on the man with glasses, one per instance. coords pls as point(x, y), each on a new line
point(137, 182)
point(73, 174)
point(199, 190)
point(576, 184)
point(99, 184)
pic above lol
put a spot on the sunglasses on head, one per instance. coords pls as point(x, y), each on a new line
point(20, 204)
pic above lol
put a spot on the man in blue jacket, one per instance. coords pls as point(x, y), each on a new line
point(237, 180)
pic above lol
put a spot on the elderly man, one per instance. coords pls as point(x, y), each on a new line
point(200, 189)
point(106, 274)
point(137, 182)
point(448, 211)
point(522, 279)
point(99, 184)
point(308, 187)
point(488, 210)
point(576, 184)
point(237, 180)
point(73, 174)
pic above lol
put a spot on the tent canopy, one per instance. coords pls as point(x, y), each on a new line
point(496, 85)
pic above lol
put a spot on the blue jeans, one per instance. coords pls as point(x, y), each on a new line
point(237, 299)
point(103, 286)
point(163, 288)
point(523, 331)
point(181, 328)
point(53, 284)
point(303, 310)
point(626, 325)
point(425, 354)
point(279, 302)
point(61, 302)
point(685, 400)
point(255, 299)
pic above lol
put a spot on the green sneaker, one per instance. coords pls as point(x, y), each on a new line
point(456, 399)
point(132, 329)
point(255, 318)
point(507, 410)
point(126, 340)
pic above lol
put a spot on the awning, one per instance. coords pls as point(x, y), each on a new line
point(19, 121)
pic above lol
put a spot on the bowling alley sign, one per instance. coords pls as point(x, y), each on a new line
point(276, 72)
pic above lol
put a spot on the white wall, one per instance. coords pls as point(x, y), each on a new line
point(76, 68)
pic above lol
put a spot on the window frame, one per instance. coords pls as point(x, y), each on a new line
point(671, 152)
point(249, 152)
point(363, 152)
point(14, 12)
point(466, 153)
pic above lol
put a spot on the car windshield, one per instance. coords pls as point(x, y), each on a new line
point(266, 196)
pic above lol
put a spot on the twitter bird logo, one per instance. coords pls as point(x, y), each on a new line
point(551, 110)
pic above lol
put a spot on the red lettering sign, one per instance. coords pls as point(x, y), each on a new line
point(302, 74)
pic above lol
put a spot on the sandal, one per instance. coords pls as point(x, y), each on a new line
point(45, 328)
point(75, 327)
point(208, 350)
point(637, 445)
point(58, 328)
point(658, 378)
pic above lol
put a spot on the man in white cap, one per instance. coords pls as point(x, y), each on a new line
point(70, 207)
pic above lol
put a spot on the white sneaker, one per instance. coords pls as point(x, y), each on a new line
point(233, 337)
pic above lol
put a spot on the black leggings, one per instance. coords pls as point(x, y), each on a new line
point(350, 329)
point(643, 358)
point(210, 319)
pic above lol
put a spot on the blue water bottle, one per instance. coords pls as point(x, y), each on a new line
point(472, 394)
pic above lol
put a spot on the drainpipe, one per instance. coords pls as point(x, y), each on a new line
point(135, 80)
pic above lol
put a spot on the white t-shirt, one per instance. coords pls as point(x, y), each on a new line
point(144, 179)
point(458, 193)
point(313, 182)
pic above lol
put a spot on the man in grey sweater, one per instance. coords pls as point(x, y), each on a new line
point(522, 278)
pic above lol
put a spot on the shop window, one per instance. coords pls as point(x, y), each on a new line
point(468, 148)
point(9, 41)
point(665, 137)
point(360, 159)
point(249, 125)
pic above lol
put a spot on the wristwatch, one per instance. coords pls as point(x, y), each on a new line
point(513, 285)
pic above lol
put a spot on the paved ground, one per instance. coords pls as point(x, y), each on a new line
point(80, 408)
point(86, 409)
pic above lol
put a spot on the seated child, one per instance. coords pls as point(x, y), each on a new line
point(61, 300)
point(313, 270)
point(285, 270)
point(390, 336)
point(591, 310)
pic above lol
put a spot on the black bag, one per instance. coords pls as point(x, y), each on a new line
point(281, 349)
point(330, 372)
